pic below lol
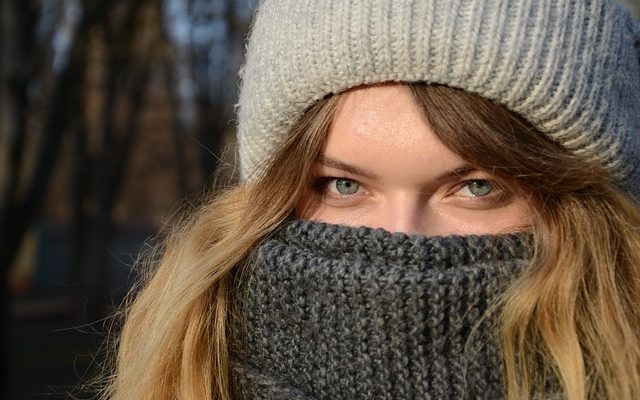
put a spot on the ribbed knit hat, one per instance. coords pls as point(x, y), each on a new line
point(570, 67)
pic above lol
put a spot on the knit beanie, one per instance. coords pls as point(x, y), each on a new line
point(570, 67)
point(332, 312)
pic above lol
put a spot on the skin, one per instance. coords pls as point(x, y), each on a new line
point(383, 167)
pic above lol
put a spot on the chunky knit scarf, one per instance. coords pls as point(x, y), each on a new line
point(331, 312)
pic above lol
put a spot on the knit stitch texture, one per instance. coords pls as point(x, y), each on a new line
point(571, 68)
point(332, 312)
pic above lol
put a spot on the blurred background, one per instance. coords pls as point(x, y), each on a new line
point(114, 115)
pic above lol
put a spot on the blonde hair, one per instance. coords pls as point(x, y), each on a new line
point(571, 316)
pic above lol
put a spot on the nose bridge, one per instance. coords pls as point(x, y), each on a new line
point(405, 212)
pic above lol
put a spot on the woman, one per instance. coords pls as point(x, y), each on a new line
point(494, 141)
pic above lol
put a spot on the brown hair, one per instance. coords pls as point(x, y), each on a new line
point(574, 317)
point(571, 315)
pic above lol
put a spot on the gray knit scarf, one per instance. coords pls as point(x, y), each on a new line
point(331, 312)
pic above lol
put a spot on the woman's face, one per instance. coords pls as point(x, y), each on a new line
point(383, 167)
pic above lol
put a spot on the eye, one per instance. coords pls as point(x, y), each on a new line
point(480, 194)
point(479, 187)
point(343, 186)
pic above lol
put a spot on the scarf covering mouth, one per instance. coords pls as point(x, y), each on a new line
point(332, 312)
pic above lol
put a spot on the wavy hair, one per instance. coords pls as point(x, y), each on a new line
point(572, 318)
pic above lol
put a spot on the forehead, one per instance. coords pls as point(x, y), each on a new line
point(376, 113)
point(381, 129)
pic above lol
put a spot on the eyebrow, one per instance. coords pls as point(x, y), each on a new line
point(335, 163)
point(458, 172)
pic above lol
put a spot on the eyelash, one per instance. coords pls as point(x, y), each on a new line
point(497, 195)
point(495, 186)
point(319, 184)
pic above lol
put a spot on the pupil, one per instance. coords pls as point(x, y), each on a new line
point(480, 188)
